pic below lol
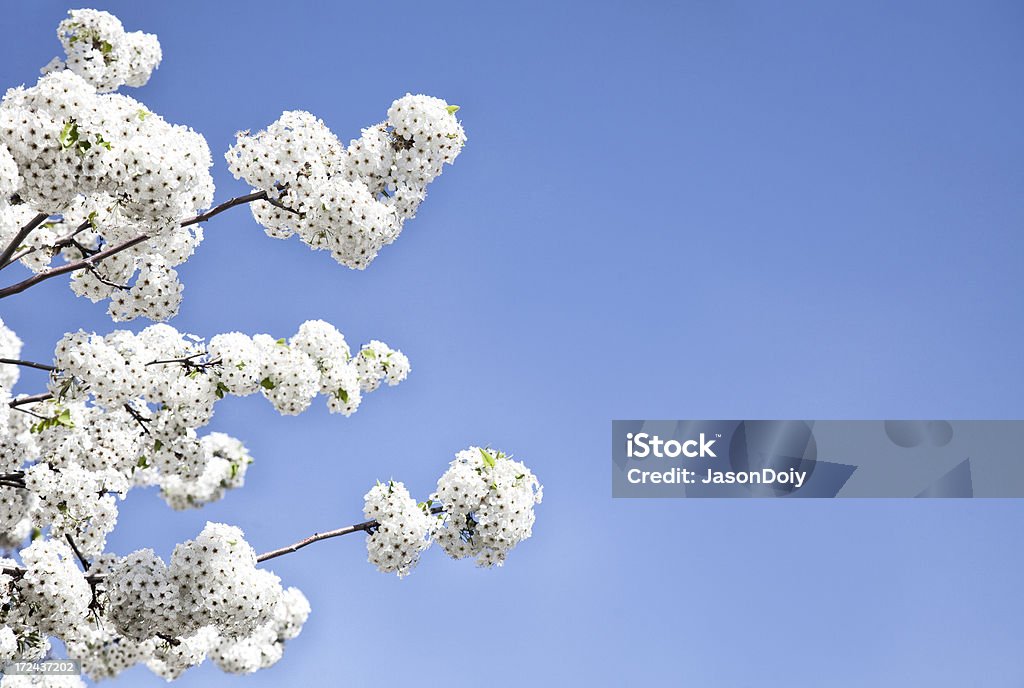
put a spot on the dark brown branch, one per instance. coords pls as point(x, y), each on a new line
point(26, 364)
point(226, 205)
point(103, 280)
point(31, 399)
point(365, 526)
point(183, 359)
point(139, 418)
point(78, 553)
point(118, 248)
point(20, 237)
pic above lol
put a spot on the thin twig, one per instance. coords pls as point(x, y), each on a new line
point(20, 237)
point(103, 280)
point(78, 553)
point(183, 359)
point(138, 418)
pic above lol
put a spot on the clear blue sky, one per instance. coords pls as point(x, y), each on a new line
point(665, 210)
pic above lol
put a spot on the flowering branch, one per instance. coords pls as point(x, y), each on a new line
point(20, 237)
point(90, 261)
point(365, 526)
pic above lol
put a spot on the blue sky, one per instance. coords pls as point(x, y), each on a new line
point(665, 210)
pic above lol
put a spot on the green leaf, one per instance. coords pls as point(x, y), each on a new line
point(64, 418)
point(91, 219)
point(488, 459)
point(143, 114)
point(452, 109)
point(142, 463)
point(106, 48)
point(101, 142)
point(369, 353)
point(282, 342)
point(69, 134)
point(343, 395)
point(222, 389)
point(267, 383)
point(158, 445)
point(234, 470)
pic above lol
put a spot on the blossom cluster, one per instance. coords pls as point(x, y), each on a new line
point(403, 528)
point(125, 410)
point(104, 170)
point(10, 347)
point(98, 49)
point(107, 173)
point(488, 502)
point(211, 600)
point(353, 200)
point(485, 507)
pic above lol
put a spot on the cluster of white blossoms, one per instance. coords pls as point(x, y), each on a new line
point(98, 49)
point(97, 180)
point(211, 600)
point(125, 410)
point(350, 200)
point(106, 173)
point(403, 528)
point(10, 347)
point(488, 502)
point(104, 170)
point(484, 508)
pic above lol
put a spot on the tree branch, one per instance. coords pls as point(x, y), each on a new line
point(31, 400)
point(78, 553)
point(113, 250)
point(226, 205)
point(20, 237)
point(27, 364)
